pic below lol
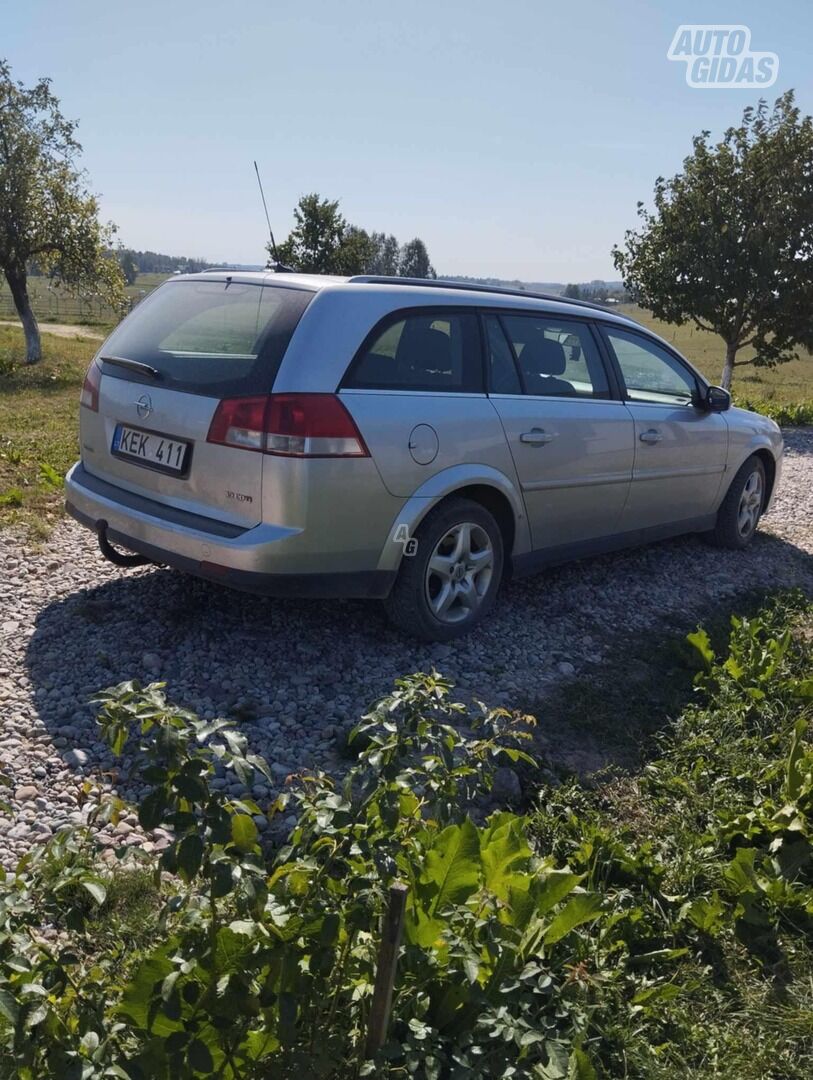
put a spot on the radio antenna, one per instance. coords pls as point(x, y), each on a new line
point(276, 264)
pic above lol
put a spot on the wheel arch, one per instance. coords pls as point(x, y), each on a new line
point(769, 464)
point(768, 458)
point(489, 487)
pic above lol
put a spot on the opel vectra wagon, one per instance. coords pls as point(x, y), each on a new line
point(412, 441)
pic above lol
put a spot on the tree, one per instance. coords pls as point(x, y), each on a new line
point(386, 255)
point(314, 243)
point(322, 242)
point(414, 261)
point(128, 267)
point(355, 253)
point(730, 244)
point(572, 292)
point(46, 212)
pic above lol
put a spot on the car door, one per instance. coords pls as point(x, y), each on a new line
point(572, 444)
point(680, 450)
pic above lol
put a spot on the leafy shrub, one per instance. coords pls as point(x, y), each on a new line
point(12, 497)
point(263, 966)
point(625, 929)
point(49, 476)
point(705, 860)
point(797, 414)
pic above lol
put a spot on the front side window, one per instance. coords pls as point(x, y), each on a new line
point(425, 350)
point(556, 357)
point(650, 373)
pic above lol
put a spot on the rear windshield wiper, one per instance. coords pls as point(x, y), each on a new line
point(133, 365)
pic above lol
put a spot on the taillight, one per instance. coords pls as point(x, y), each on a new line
point(311, 425)
point(289, 425)
point(239, 422)
point(89, 396)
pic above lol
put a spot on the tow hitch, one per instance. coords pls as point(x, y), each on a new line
point(117, 557)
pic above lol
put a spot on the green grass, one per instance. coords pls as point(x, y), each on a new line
point(38, 427)
point(662, 842)
point(787, 383)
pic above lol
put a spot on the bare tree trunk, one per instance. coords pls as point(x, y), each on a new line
point(16, 278)
point(728, 369)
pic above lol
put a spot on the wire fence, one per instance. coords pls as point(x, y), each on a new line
point(52, 305)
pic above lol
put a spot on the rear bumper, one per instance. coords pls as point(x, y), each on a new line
point(245, 559)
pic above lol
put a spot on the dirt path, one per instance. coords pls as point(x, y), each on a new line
point(66, 330)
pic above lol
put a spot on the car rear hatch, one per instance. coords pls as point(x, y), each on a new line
point(159, 379)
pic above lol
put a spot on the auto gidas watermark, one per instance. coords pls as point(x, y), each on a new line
point(720, 57)
point(402, 537)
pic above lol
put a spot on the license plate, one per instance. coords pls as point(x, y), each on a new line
point(151, 448)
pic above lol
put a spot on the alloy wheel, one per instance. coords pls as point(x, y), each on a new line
point(459, 572)
point(750, 504)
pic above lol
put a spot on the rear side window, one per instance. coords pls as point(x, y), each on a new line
point(210, 337)
point(556, 357)
point(426, 350)
point(502, 370)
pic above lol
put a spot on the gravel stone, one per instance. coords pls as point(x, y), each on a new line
point(297, 674)
point(77, 757)
point(507, 787)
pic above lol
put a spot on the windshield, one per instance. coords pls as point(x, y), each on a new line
point(209, 337)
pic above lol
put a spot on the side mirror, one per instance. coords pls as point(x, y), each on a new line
point(716, 399)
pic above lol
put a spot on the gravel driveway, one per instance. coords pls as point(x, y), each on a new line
point(298, 672)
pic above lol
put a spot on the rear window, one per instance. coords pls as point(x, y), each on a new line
point(210, 337)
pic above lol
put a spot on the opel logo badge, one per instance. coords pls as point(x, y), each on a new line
point(144, 406)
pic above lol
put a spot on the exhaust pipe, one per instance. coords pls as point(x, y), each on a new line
point(117, 557)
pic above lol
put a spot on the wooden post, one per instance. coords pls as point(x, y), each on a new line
point(392, 926)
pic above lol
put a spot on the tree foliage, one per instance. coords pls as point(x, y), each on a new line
point(322, 241)
point(129, 267)
point(314, 244)
point(46, 212)
point(729, 246)
point(154, 262)
point(386, 255)
point(414, 260)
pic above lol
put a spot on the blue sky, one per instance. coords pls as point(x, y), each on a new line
point(515, 138)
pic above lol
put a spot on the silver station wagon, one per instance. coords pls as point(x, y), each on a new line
point(413, 441)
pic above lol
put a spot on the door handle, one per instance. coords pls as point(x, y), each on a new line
point(537, 437)
point(651, 436)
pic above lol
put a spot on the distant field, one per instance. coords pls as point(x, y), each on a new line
point(145, 283)
point(789, 383)
point(52, 304)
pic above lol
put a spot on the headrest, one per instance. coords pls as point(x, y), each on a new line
point(431, 349)
point(543, 356)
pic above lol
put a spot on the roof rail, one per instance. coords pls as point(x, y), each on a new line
point(465, 286)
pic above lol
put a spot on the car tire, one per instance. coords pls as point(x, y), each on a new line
point(742, 507)
point(450, 583)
